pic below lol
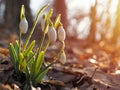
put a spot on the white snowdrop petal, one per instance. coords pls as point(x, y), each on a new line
point(61, 34)
point(38, 88)
point(23, 25)
point(63, 58)
point(33, 88)
point(42, 23)
point(52, 35)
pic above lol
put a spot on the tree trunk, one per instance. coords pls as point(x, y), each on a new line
point(116, 30)
point(92, 33)
point(12, 12)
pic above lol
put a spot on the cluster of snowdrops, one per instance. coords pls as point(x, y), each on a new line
point(29, 60)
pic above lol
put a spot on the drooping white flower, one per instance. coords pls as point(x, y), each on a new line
point(43, 24)
point(61, 33)
point(52, 35)
point(63, 58)
point(23, 26)
point(33, 88)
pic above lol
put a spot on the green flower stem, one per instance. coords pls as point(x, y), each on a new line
point(19, 41)
point(19, 50)
point(34, 25)
point(61, 51)
point(57, 57)
point(63, 46)
point(59, 54)
point(46, 45)
point(41, 43)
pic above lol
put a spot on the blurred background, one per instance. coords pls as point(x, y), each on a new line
point(92, 20)
point(93, 35)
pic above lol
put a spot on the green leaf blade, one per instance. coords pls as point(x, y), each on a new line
point(29, 49)
point(13, 56)
point(22, 63)
point(16, 46)
point(39, 76)
point(39, 62)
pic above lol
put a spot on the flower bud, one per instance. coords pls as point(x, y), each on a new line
point(63, 58)
point(23, 25)
point(38, 88)
point(33, 88)
point(61, 33)
point(42, 21)
point(52, 35)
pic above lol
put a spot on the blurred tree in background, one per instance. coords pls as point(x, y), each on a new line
point(60, 7)
point(12, 12)
point(116, 29)
point(92, 33)
point(99, 18)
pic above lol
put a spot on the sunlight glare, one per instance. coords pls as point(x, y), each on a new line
point(113, 6)
point(117, 72)
point(93, 61)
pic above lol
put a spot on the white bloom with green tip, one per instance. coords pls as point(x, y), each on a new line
point(61, 33)
point(43, 26)
point(52, 35)
point(33, 88)
point(42, 22)
point(23, 25)
point(63, 58)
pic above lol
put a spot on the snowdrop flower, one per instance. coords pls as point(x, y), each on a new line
point(33, 88)
point(63, 58)
point(52, 35)
point(61, 33)
point(23, 25)
point(42, 21)
point(43, 26)
point(38, 88)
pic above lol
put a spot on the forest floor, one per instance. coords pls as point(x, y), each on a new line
point(89, 66)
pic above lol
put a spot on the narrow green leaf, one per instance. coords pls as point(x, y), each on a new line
point(21, 57)
point(29, 49)
point(39, 62)
point(38, 77)
point(57, 21)
point(22, 63)
point(27, 75)
point(41, 75)
point(13, 56)
point(31, 57)
point(31, 61)
point(16, 46)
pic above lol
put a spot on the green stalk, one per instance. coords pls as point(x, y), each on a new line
point(62, 50)
point(41, 43)
point(19, 41)
point(63, 46)
point(46, 45)
point(34, 25)
point(19, 48)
